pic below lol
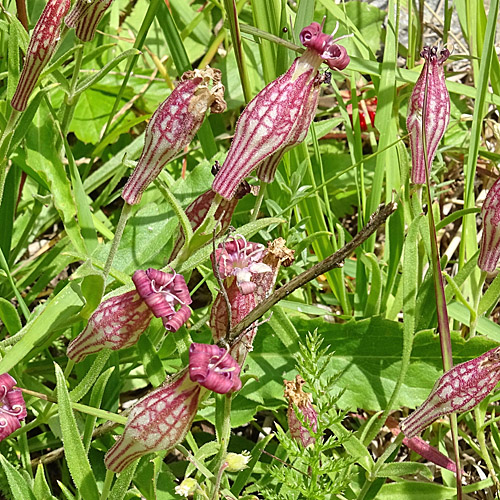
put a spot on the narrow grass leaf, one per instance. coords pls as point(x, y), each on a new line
point(41, 488)
point(74, 451)
point(13, 59)
point(9, 316)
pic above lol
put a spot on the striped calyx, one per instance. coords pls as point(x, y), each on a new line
point(12, 406)
point(85, 16)
point(490, 240)
point(300, 402)
point(157, 422)
point(43, 43)
point(162, 292)
point(174, 125)
point(458, 390)
point(214, 368)
point(278, 117)
point(117, 323)
point(436, 114)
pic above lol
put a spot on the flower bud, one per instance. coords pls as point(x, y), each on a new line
point(12, 406)
point(436, 115)
point(85, 16)
point(299, 401)
point(173, 126)
point(278, 117)
point(42, 46)
point(187, 487)
point(157, 422)
point(490, 240)
point(236, 462)
point(213, 368)
point(458, 390)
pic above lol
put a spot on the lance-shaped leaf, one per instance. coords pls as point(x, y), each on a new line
point(490, 239)
point(436, 114)
point(173, 126)
point(42, 46)
point(458, 390)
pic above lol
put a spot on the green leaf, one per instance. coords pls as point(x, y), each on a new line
point(403, 469)
point(151, 361)
point(413, 490)
point(74, 451)
point(18, 485)
point(9, 316)
point(58, 313)
point(41, 488)
point(13, 59)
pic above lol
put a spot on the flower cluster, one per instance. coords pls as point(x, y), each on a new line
point(119, 321)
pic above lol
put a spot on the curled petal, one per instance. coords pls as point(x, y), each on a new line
point(157, 422)
point(336, 57)
point(15, 403)
point(6, 384)
point(117, 323)
point(8, 424)
point(213, 368)
point(179, 318)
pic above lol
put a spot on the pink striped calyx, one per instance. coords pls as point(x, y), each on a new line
point(117, 323)
point(162, 292)
point(214, 368)
point(12, 406)
point(458, 390)
point(43, 44)
point(85, 16)
point(300, 402)
point(157, 422)
point(490, 239)
point(174, 125)
point(278, 117)
point(436, 114)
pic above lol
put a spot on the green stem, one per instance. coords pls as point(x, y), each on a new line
point(71, 100)
point(91, 376)
point(22, 304)
point(5, 142)
point(479, 416)
point(126, 209)
point(258, 201)
point(223, 435)
point(106, 488)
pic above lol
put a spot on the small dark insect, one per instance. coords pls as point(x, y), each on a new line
point(327, 77)
point(285, 30)
point(215, 168)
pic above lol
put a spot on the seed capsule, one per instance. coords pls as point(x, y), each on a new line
point(490, 240)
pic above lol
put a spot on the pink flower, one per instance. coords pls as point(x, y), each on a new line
point(118, 322)
point(436, 114)
point(85, 16)
point(243, 260)
point(157, 422)
point(174, 125)
point(42, 46)
point(12, 406)
point(458, 390)
point(300, 402)
point(278, 117)
point(214, 368)
point(490, 240)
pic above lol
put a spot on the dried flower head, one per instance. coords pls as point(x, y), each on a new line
point(436, 114)
point(236, 462)
point(173, 126)
point(299, 401)
point(458, 390)
point(43, 43)
point(12, 406)
point(490, 239)
point(278, 117)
